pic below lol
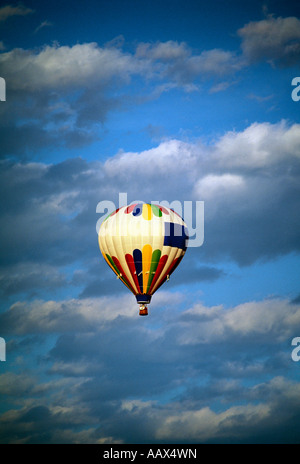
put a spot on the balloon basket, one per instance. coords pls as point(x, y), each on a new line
point(143, 310)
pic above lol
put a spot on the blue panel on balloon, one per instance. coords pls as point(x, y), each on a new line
point(137, 256)
point(175, 235)
point(144, 298)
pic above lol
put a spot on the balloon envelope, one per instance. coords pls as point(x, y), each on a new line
point(143, 244)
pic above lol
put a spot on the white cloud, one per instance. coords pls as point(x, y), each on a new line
point(273, 319)
point(163, 51)
point(178, 62)
point(215, 62)
point(276, 319)
point(89, 65)
point(72, 89)
point(260, 145)
point(56, 67)
point(204, 424)
point(55, 316)
point(248, 180)
point(171, 156)
point(219, 185)
point(275, 39)
point(245, 178)
point(271, 411)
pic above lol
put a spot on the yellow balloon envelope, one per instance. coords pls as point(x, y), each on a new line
point(143, 244)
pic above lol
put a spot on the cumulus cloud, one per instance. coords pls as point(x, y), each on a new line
point(260, 146)
point(249, 181)
point(272, 39)
point(88, 65)
point(241, 170)
point(62, 95)
point(176, 61)
point(54, 316)
point(214, 185)
point(216, 61)
point(55, 67)
point(274, 319)
point(163, 51)
point(172, 155)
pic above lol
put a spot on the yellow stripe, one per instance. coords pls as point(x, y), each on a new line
point(147, 212)
point(146, 258)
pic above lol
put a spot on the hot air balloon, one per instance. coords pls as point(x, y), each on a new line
point(143, 244)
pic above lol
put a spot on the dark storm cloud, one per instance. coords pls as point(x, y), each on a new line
point(123, 369)
point(43, 199)
point(226, 350)
point(136, 421)
point(28, 277)
point(107, 369)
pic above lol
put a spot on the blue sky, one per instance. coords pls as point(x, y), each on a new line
point(170, 100)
